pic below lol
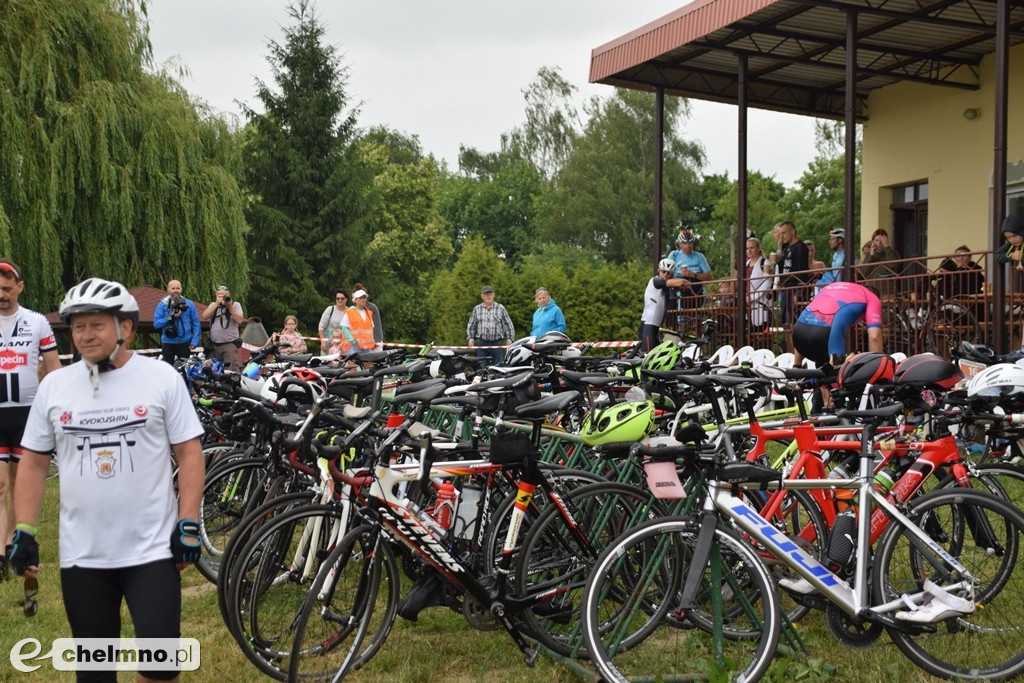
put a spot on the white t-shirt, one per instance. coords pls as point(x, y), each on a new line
point(655, 300)
point(23, 336)
point(117, 502)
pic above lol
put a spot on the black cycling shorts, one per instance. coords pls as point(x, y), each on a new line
point(92, 600)
point(812, 341)
point(12, 428)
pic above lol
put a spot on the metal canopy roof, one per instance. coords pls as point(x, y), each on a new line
point(796, 49)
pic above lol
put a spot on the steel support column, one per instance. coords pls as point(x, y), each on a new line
point(850, 124)
point(998, 272)
point(659, 158)
point(740, 324)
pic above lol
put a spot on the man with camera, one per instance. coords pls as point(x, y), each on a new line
point(178, 321)
point(224, 315)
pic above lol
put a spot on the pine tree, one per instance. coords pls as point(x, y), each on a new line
point(306, 177)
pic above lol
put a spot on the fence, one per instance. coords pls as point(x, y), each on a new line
point(926, 306)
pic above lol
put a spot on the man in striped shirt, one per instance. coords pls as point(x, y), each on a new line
point(488, 325)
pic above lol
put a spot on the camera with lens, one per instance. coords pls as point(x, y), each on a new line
point(180, 305)
point(226, 299)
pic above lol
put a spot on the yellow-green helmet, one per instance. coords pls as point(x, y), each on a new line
point(664, 356)
point(622, 422)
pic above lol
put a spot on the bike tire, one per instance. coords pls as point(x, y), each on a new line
point(635, 584)
point(985, 645)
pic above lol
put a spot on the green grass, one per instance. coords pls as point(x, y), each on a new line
point(439, 647)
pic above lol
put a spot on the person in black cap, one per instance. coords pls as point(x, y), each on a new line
point(1013, 231)
point(488, 325)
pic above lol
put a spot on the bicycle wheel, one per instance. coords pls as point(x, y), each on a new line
point(948, 325)
point(564, 479)
point(560, 550)
point(272, 574)
point(635, 585)
point(989, 643)
point(244, 532)
point(229, 493)
point(354, 596)
point(897, 334)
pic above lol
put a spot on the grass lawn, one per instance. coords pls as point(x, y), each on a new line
point(440, 647)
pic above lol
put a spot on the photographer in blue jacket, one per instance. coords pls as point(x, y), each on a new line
point(178, 322)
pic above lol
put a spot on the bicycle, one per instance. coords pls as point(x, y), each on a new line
point(947, 603)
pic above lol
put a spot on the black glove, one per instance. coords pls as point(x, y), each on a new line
point(24, 551)
point(185, 543)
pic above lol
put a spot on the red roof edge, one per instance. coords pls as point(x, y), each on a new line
point(673, 30)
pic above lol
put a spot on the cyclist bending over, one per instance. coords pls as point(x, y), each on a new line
point(820, 330)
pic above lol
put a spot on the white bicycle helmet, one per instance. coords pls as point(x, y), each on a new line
point(1002, 379)
point(667, 264)
point(96, 295)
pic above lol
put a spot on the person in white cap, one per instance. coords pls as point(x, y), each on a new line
point(358, 324)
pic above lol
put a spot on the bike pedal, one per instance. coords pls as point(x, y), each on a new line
point(30, 606)
point(530, 655)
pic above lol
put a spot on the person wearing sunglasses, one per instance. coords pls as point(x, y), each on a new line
point(25, 340)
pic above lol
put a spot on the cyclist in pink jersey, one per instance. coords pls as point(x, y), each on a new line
point(819, 331)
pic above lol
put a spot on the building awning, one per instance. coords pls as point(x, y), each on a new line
point(796, 50)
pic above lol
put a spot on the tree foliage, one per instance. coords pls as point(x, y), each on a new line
point(816, 202)
point(409, 243)
point(307, 177)
point(107, 169)
point(602, 199)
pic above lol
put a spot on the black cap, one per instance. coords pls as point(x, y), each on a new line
point(487, 290)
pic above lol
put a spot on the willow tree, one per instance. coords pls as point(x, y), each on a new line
point(306, 175)
point(106, 167)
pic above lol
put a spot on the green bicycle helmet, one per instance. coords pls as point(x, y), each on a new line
point(664, 356)
point(622, 422)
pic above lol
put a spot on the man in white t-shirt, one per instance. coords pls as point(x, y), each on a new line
point(655, 303)
point(113, 419)
point(25, 339)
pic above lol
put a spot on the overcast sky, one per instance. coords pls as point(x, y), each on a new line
point(451, 71)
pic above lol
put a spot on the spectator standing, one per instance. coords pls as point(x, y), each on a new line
point(178, 321)
point(25, 340)
point(125, 532)
point(837, 242)
point(488, 325)
point(759, 285)
point(692, 268)
point(793, 261)
point(548, 316)
point(378, 326)
point(813, 263)
point(330, 319)
point(656, 303)
point(357, 326)
point(225, 316)
point(291, 336)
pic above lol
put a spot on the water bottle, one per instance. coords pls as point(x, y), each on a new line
point(842, 546)
point(423, 518)
point(884, 481)
point(844, 497)
point(469, 505)
point(444, 506)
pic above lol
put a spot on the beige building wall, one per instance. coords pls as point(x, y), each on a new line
point(918, 132)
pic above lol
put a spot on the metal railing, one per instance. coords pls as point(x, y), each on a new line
point(924, 307)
